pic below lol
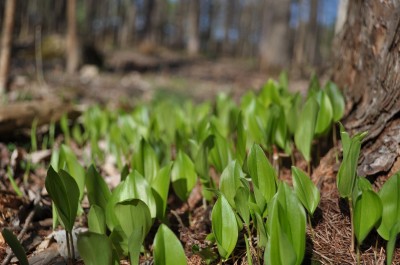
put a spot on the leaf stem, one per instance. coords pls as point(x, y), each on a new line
point(334, 139)
point(68, 247)
point(249, 234)
point(311, 228)
point(72, 244)
point(376, 247)
point(351, 222)
point(292, 158)
point(358, 254)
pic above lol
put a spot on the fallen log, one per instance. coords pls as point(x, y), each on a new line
point(20, 115)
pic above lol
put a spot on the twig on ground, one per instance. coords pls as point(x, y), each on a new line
point(178, 218)
point(21, 234)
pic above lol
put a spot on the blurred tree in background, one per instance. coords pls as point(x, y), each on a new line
point(290, 34)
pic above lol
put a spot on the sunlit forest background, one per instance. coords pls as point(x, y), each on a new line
point(295, 35)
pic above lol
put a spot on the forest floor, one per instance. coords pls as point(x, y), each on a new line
point(329, 243)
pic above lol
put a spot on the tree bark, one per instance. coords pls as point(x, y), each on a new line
point(367, 66)
point(193, 40)
point(274, 44)
point(72, 51)
point(6, 42)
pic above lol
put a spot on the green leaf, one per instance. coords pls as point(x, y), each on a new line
point(124, 172)
point(270, 93)
point(224, 227)
point(73, 167)
point(201, 161)
point(168, 249)
point(95, 248)
point(135, 244)
point(362, 184)
point(230, 181)
point(390, 197)
point(132, 215)
point(261, 231)
point(259, 200)
point(248, 251)
point(292, 113)
point(145, 161)
point(119, 241)
point(97, 220)
point(306, 127)
point(97, 189)
point(241, 140)
point(64, 192)
point(325, 114)
point(134, 187)
point(305, 190)
point(54, 160)
point(160, 188)
point(281, 130)
point(207, 254)
point(183, 176)
point(347, 171)
point(367, 213)
point(262, 173)
point(10, 175)
point(287, 227)
point(15, 246)
point(241, 201)
point(283, 81)
point(313, 87)
point(220, 154)
point(279, 250)
point(65, 127)
point(345, 137)
point(337, 100)
point(394, 232)
point(202, 166)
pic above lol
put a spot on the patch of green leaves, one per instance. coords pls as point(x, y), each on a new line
point(95, 248)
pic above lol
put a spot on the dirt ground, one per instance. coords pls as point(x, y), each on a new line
point(328, 243)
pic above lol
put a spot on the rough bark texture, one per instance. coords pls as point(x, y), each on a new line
point(368, 68)
point(6, 41)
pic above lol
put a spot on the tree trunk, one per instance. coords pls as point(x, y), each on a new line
point(127, 32)
point(6, 42)
point(274, 44)
point(312, 33)
point(229, 20)
point(367, 66)
point(193, 41)
point(341, 15)
point(72, 51)
point(299, 41)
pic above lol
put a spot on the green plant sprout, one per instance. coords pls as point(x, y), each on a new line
point(226, 148)
point(346, 177)
point(64, 192)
